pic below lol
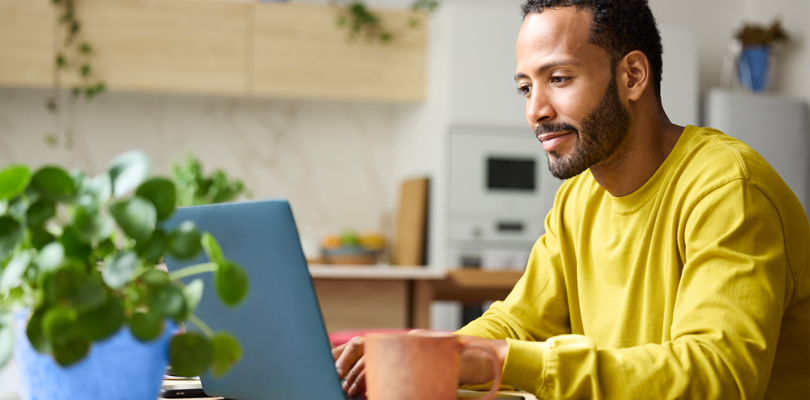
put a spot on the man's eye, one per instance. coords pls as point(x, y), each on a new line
point(559, 79)
point(524, 90)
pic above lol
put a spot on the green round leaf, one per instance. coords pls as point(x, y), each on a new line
point(119, 269)
point(105, 248)
point(190, 354)
point(69, 344)
point(40, 238)
point(54, 183)
point(212, 249)
point(102, 322)
point(3, 207)
point(92, 226)
point(74, 288)
point(95, 192)
point(231, 283)
point(169, 302)
point(13, 181)
point(193, 292)
point(146, 326)
point(184, 241)
point(227, 353)
point(136, 217)
point(18, 207)
point(127, 171)
point(56, 321)
point(40, 212)
point(161, 192)
point(155, 278)
point(79, 179)
point(153, 249)
point(6, 337)
point(34, 332)
point(11, 233)
point(74, 247)
point(14, 271)
point(50, 257)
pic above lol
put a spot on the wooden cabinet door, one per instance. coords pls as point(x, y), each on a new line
point(27, 42)
point(184, 46)
point(299, 52)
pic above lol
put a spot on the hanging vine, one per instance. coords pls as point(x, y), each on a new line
point(362, 22)
point(73, 55)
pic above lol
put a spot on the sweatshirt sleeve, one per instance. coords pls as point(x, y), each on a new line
point(731, 297)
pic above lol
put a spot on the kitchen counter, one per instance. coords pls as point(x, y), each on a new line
point(381, 271)
point(399, 297)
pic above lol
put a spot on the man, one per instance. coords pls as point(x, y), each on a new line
point(675, 260)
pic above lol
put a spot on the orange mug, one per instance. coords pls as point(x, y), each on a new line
point(422, 366)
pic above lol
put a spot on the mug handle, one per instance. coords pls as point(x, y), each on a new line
point(490, 350)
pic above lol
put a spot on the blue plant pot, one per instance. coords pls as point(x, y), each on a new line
point(752, 67)
point(118, 368)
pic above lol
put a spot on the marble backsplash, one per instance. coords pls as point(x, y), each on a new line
point(332, 160)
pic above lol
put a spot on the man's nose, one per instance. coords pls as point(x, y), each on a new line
point(538, 109)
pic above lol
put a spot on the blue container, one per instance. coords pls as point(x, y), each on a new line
point(752, 67)
point(118, 368)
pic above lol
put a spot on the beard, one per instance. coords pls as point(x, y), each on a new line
point(600, 135)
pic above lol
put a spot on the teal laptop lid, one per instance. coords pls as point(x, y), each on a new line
point(286, 350)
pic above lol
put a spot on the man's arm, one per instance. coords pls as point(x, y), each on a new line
point(537, 307)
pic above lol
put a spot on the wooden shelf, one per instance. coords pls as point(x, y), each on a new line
point(281, 50)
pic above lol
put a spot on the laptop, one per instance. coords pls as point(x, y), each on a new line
point(286, 353)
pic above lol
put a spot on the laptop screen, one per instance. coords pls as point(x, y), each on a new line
point(286, 350)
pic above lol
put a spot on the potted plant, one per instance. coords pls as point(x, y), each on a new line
point(93, 316)
point(754, 61)
point(195, 188)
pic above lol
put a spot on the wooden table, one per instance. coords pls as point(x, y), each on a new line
point(362, 297)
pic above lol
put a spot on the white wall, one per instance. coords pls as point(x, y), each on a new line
point(332, 160)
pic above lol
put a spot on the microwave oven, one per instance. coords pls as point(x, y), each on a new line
point(500, 190)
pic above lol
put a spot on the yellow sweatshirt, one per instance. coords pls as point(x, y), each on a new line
point(697, 286)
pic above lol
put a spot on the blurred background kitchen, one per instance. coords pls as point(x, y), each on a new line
point(408, 139)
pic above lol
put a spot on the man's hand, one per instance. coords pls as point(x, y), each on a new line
point(476, 368)
point(351, 366)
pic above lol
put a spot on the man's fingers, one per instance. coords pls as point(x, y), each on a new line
point(355, 378)
point(359, 386)
point(349, 354)
point(337, 351)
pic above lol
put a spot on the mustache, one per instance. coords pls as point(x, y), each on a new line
point(555, 127)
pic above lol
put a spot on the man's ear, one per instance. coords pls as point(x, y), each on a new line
point(634, 74)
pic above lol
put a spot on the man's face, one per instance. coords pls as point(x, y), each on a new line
point(572, 100)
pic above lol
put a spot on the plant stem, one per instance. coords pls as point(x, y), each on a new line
point(193, 270)
point(202, 325)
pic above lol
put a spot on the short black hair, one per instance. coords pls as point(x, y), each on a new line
point(619, 27)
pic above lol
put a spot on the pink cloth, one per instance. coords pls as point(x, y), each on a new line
point(340, 337)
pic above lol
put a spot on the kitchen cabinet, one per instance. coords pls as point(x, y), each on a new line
point(168, 45)
point(300, 53)
point(220, 47)
point(26, 42)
